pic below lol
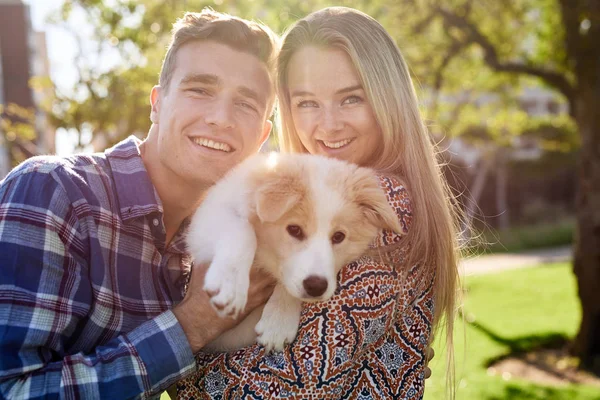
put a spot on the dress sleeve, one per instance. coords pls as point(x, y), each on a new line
point(368, 339)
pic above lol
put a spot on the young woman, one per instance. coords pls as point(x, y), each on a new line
point(345, 91)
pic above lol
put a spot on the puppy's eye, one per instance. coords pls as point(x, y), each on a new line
point(338, 237)
point(295, 231)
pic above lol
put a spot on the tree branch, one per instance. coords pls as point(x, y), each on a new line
point(552, 78)
point(570, 18)
point(452, 52)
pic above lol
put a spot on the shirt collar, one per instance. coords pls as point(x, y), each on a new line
point(134, 189)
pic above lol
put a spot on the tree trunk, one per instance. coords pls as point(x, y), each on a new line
point(472, 200)
point(587, 241)
point(4, 158)
point(581, 21)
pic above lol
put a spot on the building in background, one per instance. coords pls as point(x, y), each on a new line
point(23, 55)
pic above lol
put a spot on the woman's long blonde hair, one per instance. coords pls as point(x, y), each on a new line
point(408, 151)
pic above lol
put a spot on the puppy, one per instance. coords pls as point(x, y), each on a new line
point(301, 218)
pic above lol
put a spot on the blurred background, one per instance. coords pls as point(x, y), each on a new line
point(510, 91)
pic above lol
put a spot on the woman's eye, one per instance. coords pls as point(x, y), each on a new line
point(352, 100)
point(307, 104)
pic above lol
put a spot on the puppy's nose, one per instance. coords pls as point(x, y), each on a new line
point(315, 286)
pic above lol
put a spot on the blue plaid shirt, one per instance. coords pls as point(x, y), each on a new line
point(87, 280)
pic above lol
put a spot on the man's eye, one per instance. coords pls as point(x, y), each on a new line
point(198, 91)
point(248, 106)
point(352, 100)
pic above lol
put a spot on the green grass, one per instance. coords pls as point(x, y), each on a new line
point(511, 311)
point(523, 238)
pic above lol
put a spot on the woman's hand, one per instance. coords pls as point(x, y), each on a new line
point(429, 354)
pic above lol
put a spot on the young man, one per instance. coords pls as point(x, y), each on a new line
point(92, 258)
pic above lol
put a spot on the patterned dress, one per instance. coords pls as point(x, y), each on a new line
point(367, 342)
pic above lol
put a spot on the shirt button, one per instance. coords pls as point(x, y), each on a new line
point(155, 222)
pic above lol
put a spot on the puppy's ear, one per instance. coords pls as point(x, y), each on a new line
point(371, 199)
point(276, 196)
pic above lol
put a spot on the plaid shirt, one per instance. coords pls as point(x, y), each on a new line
point(86, 280)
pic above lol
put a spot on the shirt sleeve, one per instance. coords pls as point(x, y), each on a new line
point(369, 338)
point(45, 299)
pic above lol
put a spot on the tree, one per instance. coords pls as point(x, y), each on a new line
point(17, 136)
point(501, 134)
point(556, 43)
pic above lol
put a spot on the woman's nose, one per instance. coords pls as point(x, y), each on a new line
point(331, 121)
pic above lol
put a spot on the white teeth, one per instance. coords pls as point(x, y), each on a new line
point(336, 145)
point(212, 144)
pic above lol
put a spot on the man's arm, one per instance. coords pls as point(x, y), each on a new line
point(45, 299)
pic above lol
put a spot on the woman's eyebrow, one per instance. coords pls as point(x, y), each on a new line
point(301, 93)
point(349, 89)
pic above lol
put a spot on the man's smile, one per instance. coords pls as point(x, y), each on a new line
point(212, 144)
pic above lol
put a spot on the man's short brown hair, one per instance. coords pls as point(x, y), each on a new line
point(240, 34)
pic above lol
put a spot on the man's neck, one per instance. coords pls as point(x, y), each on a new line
point(179, 198)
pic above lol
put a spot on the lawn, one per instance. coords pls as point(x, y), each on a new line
point(510, 311)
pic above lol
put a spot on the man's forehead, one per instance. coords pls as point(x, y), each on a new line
point(219, 64)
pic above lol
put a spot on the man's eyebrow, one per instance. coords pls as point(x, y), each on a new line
point(300, 93)
point(251, 94)
point(211, 79)
point(208, 79)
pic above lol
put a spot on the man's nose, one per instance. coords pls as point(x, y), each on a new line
point(220, 114)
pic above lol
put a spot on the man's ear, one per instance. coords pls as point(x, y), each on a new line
point(154, 103)
point(265, 133)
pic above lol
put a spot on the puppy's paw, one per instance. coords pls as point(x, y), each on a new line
point(228, 289)
point(275, 330)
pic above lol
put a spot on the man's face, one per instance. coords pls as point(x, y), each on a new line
point(214, 112)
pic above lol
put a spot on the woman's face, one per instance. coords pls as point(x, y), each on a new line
point(329, 106)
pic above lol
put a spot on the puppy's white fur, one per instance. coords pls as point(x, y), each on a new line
point(245, 220)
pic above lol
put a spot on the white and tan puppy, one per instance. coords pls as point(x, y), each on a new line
point(301, 218)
